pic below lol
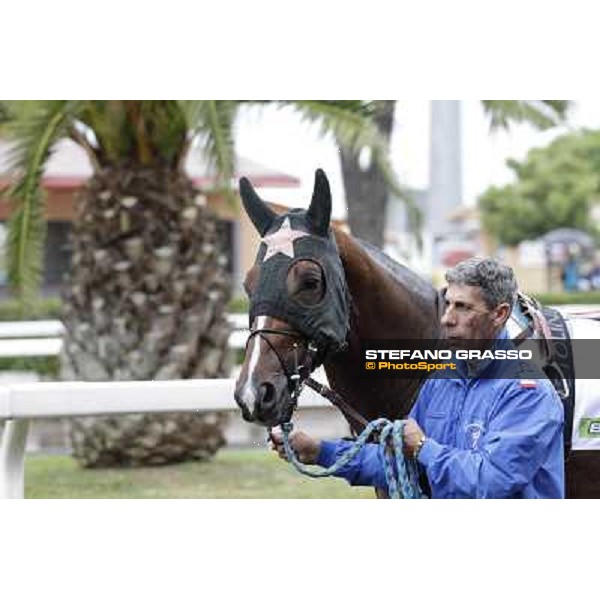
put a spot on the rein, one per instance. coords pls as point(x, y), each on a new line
point(336, 400)
point(400, 473)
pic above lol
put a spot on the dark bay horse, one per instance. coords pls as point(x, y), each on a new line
point(315, 293)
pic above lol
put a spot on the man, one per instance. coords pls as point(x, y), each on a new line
point(481, 432)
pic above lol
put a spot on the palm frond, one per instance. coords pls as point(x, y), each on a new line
point(212, 121)
point(149, 132)
point(167, 127)
point(192, 113)
point(351, 123)
point(35, 136)
point(542, 114)
point(108, 120)
point(4, 114)
point(347, 122)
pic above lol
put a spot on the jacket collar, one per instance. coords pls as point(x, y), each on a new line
point(474, 368)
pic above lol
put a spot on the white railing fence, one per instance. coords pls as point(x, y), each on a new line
point(21, 402)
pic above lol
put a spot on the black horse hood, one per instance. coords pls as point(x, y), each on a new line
point(286, 239)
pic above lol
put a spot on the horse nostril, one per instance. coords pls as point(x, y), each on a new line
point(268, 395)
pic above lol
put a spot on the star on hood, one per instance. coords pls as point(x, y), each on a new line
point(282, 240)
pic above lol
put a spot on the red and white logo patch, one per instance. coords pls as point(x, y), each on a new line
point(528, 383)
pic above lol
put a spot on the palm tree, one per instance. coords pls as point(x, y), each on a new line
point(148, 286)
point(367, 188)
point(541, 114)
point(362, 183)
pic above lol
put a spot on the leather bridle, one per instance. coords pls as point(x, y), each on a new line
point(300, 375)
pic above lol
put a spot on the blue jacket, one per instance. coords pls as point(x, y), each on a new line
point(486, 438)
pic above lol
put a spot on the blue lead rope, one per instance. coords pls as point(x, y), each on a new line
point(400, 473)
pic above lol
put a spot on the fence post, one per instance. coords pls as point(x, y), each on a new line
point(12, 459)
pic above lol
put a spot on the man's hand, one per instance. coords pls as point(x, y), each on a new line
point(306, 448)
point(412, 437)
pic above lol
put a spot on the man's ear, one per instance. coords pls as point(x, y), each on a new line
point(501, 314)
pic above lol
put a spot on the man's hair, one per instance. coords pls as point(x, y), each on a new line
point(497, 281)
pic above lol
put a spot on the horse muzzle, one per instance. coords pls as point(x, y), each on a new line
point(265, 403)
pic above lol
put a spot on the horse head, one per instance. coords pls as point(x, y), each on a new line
point(298, 303)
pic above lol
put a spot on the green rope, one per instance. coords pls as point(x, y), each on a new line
point(400, 473)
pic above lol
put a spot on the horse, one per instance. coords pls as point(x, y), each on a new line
point(316, 293)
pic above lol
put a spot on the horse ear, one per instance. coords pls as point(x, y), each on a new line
point(260, 214)
point(319, 211)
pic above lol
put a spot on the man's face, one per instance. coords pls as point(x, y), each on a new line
point(467, 317)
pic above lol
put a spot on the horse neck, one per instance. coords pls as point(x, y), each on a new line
point(384, 306)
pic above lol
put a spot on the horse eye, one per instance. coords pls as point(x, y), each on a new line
point(306, 283)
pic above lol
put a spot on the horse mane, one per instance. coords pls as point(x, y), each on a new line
point(418, 288)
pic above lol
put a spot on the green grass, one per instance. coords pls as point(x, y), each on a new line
point(231, 474)
point(41, 308)
point(239, 304)
point(591, 297)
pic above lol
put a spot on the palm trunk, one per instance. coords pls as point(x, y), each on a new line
point(366, 190)
point(145, 300)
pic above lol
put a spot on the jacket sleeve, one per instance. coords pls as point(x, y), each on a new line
point(520, 433)
point(366, 468)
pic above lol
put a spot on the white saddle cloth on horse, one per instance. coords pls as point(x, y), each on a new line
point(586, 416)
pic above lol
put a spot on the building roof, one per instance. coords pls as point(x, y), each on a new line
point(69, 167)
